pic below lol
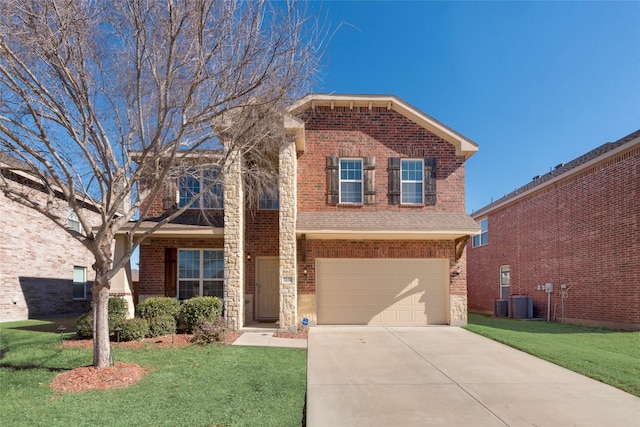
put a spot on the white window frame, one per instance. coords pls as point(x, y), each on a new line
point(81, 274)
point(403, 181)
point(206, 200)
point(482, 238)
point(73, 222)
point(350, 181)
point(505, 269)
point(201, 279)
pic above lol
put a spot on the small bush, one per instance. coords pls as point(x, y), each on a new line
point(133, 329)
point(117, 308)
point(209, 332)
point(84, 326)
point(162, 325)
point(159, 306)
point(194, 310)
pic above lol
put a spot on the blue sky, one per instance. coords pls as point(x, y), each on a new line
point(533, 83)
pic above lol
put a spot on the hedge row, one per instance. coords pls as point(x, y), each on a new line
point(157, 316)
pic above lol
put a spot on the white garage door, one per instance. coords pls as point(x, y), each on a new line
point(382, 291)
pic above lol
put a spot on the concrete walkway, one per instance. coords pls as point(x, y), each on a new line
point(267, 338)
point(447, 376)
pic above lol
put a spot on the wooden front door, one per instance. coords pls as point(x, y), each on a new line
point(267, 288)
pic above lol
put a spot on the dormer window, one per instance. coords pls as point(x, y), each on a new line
point(197, 181)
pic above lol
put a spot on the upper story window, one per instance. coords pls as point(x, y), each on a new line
point(483, 237)
point(350, 180)
point(269, 199)
point(411, 177)
point(197, 181)
point(73, 222)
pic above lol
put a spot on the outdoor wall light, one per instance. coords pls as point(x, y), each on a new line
point(248, 257)
point(304, 271)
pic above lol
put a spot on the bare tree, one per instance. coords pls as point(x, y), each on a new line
point(108, 99)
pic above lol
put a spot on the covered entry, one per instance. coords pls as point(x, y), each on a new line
point(391, 292)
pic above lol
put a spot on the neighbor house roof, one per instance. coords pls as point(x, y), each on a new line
point(463, 145)
point(386, 225)
point(565, 170)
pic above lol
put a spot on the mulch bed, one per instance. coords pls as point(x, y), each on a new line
point(125, 374)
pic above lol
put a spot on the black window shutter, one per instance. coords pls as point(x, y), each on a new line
point(369, 166)
point(333, 182)
point(394, 180)
point(430, 181)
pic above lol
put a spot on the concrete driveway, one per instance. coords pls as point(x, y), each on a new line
point(447, 376)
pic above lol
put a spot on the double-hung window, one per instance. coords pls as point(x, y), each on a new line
point(73, 222)
point(200, 273)
point(197, 181)
point(411, 173)
point(483, 237)
point(79, 283)
point(350, 180)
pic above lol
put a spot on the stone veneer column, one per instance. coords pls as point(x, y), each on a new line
point(234, 241)
point(458, 310)
point(288, 271)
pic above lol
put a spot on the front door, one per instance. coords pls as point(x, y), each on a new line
point(267, 289)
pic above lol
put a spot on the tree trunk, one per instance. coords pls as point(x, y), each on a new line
point(101, 347)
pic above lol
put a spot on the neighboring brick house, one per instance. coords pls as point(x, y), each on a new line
point(43, 270)
point(576, 227)
point(369, 227)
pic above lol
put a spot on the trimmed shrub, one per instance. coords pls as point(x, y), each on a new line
point(117, 309)
point(162, 325)
point(194, 310)
point(133, 329)
point(84, 326)
point(209, 332)
point(159, 306)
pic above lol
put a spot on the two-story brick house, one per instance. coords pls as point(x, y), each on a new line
point(369, 226)
point(576, 227)
point(44, 271)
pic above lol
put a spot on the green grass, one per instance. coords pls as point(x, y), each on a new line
point(612, 357)
point(194, 386)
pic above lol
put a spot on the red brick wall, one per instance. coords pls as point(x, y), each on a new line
point(262, 238)
point(152, 260)
point(381, 133)
point(309, 250)
point(583, 232)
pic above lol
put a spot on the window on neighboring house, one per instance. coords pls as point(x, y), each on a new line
point(270, 199)
point(482, 238)
point(79, 283)
point(200, 273)
point(411, 181)
point(72, 220)
point(505, 281)
point(350, 180)
point(196, 181)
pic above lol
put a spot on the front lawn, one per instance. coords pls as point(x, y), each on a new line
point(215, 385)
point(612, 357)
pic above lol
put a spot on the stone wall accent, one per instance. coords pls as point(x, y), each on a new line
point(457, 310)
point(234, 242)
point(288, 206)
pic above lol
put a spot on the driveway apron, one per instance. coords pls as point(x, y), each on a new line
point(447, 376)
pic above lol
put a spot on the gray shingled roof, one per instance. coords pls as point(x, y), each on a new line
point(561, 169)
point(386, 221)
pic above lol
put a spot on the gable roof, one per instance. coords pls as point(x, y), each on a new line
point(464, 146)
point(565, 170)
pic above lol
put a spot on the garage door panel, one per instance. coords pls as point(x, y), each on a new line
point(382, 291)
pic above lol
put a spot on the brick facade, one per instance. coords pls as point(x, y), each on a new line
point(38, 258)
point(580, 230)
